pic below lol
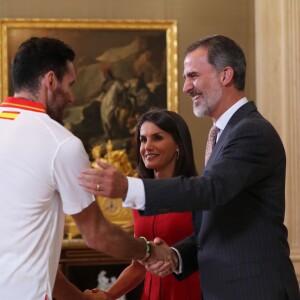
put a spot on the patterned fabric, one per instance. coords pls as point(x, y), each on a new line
point(212, 137)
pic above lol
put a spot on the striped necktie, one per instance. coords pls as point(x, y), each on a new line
point(212, 137)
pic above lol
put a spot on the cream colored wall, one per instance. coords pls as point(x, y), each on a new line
point(196, 18)
point(278, 90)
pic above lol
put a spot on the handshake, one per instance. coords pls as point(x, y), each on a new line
point(162, 261)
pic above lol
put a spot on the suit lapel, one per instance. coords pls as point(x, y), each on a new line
point(237, 117)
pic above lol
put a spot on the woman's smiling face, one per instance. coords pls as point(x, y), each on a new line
point(158, 150)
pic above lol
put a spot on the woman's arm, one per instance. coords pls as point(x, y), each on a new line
point(131, 277)
point(65, 290)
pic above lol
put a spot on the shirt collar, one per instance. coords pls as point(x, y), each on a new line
point(20, 103)
point(224, 119)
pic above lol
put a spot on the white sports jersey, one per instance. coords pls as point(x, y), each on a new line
point(40, 162)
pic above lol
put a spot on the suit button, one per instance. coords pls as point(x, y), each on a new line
point(200, 248)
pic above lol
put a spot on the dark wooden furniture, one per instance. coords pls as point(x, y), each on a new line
point(82, 266)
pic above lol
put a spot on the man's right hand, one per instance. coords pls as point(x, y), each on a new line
point(163, 260)
point(105, 181)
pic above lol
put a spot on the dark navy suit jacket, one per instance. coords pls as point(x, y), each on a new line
point(240, 243)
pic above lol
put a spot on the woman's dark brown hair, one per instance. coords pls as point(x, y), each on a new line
point(174, 124)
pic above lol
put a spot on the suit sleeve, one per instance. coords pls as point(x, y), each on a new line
point(252, 151)
point(188, 251)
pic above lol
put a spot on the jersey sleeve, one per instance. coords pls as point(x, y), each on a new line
point(69, 162)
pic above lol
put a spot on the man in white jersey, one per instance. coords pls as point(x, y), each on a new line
point(40, 161)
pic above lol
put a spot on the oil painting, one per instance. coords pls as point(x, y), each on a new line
point(123, 68)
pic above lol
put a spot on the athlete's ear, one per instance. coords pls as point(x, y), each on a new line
point(50, 80)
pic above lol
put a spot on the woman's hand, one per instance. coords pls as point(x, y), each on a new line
point(96, 294)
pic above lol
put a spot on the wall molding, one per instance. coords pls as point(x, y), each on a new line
point(277, 38)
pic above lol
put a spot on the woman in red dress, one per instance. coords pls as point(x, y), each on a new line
point(164, 150)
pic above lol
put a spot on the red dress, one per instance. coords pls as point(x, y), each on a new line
point(172, 228)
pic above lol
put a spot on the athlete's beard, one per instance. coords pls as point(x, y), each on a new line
point(56, 105)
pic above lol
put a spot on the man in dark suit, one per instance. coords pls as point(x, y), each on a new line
point(240, 243)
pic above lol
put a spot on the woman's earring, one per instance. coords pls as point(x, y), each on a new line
point(177, 153)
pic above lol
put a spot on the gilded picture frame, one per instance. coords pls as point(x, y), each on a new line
point(140, 55)
point(138, 58)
